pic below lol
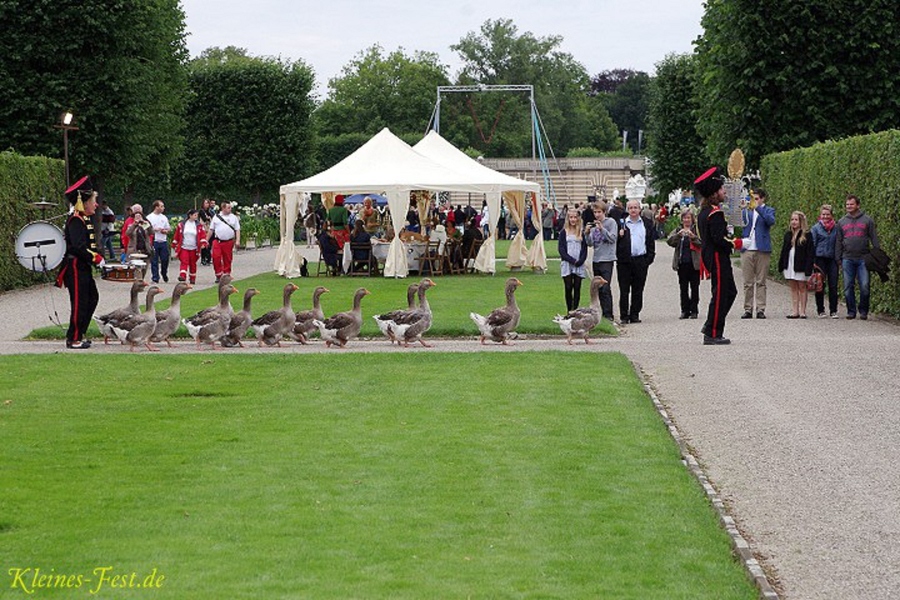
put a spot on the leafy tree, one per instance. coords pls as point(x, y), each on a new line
point(628, 103)
point(778, 74)
point(248, 126)
point(499, 55)
point(377, 91)
point(119, 67)
point(674, 144)
point(608, 82)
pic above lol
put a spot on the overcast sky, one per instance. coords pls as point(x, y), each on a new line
point(327, 34)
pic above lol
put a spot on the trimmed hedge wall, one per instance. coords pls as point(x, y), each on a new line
point(24, 180)
point(867, 166)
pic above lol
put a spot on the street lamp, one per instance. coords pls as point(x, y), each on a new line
point(65, 123)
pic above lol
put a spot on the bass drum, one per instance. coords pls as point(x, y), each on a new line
point(40, 246)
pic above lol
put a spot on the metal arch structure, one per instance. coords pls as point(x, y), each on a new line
point(537, 145)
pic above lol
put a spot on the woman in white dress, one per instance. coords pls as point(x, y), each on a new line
point(796, 262)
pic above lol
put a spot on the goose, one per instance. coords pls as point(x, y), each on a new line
point(303, 322)
point(137, 329)
point(580, 321)
point(240, 322)
point(104, 322)
point(167, 321)
point(501, 323)
point(410, 326)
point(343, 326)
point(210, 324)
point(385, 320)
point(275, 324)
point(207, 312)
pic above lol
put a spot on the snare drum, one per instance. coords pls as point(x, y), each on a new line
point(119, 273)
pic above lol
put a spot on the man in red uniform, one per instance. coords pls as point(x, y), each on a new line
point(716, 253)
point(82, 253)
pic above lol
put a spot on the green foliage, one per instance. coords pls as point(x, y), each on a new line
point(24, 180)
point(260, 223)
point(249, 127)
point(867, 166)
point(119, 67)
point(628, 105)
point(334, 148)
point(778, 74)
point(377, 91)
point(674, 144)
point(584, 153)
point(500, 124)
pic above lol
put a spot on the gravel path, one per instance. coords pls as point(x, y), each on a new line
point(796, 423)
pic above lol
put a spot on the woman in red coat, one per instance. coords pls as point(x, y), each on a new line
point(189, 240)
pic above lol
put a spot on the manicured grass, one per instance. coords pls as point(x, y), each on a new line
point(540, 299)
point(436, 475)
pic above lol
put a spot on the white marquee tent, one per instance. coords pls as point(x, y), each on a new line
point(493, 184)
point(386, 164)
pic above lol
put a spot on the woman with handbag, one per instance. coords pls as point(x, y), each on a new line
point(796, 262)
point(824, 235)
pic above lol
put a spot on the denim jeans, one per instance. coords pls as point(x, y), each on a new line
point(855, 269)
point(160, 261)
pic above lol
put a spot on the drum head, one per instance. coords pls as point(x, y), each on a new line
point(40, 246)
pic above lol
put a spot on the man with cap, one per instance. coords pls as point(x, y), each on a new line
point(339, 217)
point(716, 253)
point(82, 253)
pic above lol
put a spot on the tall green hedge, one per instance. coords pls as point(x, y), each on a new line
point(867, 166)
point(24, 180)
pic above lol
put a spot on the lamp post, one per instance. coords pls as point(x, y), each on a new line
point(65, 123)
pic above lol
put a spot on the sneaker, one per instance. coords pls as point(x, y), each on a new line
point(155, 280)
point(715, 341)
point(747, 315)
point(79, 345)
point(182, 278)
point(851, 316)
point(683, 315)
point(166, 278)
point(822, 315)
point(217, 280)
point(863, 316)
point(693, 315)
point(634, 320)
point(834, 315)
point(760, 315)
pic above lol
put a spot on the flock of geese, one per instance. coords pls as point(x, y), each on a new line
point(220, 323)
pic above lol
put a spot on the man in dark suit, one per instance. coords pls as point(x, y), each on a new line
point(635, 252)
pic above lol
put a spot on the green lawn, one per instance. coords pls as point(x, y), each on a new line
point(540, 299)
point(436, 475)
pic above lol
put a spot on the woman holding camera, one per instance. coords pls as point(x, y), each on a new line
point(686, 262)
